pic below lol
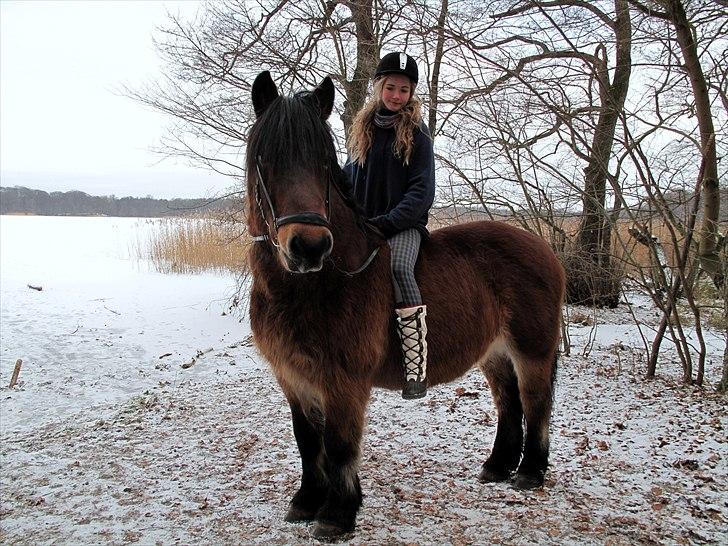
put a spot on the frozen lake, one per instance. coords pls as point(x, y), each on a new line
point(95, 333)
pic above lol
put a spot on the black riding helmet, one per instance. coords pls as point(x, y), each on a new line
point(397, 63)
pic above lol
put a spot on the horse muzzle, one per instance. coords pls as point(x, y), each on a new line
point(303, 248)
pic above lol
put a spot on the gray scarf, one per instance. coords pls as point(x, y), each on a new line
point(385, 121)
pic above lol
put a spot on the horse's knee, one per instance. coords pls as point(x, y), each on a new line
point(536, 391)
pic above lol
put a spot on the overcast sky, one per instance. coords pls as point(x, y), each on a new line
point(63, 124)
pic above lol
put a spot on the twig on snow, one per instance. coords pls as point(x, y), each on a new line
point(16, 373)
point(194, 358)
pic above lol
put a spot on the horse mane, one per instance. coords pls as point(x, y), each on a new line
point(291, 134)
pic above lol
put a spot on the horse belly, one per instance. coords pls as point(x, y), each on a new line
point(463, 319)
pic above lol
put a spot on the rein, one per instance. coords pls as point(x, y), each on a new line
point(310, 218)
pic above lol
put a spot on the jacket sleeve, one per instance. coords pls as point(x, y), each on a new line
point(420, 192)
point(348, 169)
point(349, 174)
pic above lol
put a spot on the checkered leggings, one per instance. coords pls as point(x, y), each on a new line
point(405, 248)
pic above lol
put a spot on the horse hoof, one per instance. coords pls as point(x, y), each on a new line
point(489, 475)
point(328, 532)
point(528, 481)
point(297, 514)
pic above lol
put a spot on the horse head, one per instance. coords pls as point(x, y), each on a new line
point(290, 159)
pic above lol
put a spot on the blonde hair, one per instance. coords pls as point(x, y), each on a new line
point(409, 118)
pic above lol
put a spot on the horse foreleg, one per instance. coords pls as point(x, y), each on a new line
point(506, 452)
point(342, 439)
point(308, 429)
point(535, 384)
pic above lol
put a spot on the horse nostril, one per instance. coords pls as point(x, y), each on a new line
point(310, 249)
point(295, 246)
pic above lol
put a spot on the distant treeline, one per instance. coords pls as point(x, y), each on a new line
point(20, 200)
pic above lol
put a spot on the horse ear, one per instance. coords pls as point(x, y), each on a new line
point(324, 95)
point(264, 92)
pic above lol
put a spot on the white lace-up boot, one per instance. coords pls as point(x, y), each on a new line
point(412, 331)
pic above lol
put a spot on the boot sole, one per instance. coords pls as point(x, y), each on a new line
point(414, 396)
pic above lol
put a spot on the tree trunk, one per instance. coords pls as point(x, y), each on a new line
point(723, 385)
point(708, 250)
point(367, 57)
point(435, 83)
point(593, 241)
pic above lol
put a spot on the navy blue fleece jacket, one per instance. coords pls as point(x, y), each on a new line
point(395, 196)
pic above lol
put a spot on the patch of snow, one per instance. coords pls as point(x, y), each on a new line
point(104, 443)
point(97, 330)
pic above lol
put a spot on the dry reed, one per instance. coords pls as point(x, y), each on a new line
point(189, 245)
point(193, 245)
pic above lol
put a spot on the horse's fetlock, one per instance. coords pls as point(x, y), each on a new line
point(306, 503)
point(337, 516)
point(328, 532)
point(493, 475)
point(529, 479)
point(499, 467)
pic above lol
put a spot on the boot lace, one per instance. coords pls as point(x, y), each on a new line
point(411, 338)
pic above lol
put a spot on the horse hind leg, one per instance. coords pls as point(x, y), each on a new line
point(308, 427)
point(535, 381)
point(506, 452)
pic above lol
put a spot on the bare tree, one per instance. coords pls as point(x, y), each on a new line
point(558, 70)
point(211, 61)
point(534, 107)
point(673, 12)
point(594, 233)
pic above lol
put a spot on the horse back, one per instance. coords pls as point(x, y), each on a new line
point(485, 283)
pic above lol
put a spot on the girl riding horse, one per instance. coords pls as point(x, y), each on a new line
point(392, 170)
point(321, 300)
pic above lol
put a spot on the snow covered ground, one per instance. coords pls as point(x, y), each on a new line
point(108, 441)
point(96, 332)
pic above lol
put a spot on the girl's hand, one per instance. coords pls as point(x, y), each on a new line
point(374, 228)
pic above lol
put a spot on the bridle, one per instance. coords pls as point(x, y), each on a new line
point(308, 217)
point(311, 218)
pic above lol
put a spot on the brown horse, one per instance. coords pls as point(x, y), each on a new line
point(322, 299)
